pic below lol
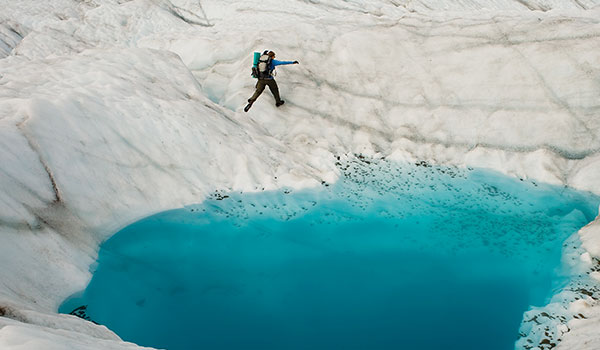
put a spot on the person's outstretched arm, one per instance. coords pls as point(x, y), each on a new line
point(281, 63)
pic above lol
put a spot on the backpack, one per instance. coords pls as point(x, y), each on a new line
point(261, 70)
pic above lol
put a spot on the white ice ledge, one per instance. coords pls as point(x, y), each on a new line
point(113, 110)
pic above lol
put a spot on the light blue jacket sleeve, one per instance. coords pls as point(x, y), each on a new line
point(281, 63)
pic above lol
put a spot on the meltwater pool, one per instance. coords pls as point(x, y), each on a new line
point(392, 256)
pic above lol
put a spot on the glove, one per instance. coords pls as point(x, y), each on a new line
point(296, 62)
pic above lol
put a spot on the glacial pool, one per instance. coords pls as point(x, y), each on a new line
point(392, 256)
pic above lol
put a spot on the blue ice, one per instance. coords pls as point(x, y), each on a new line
point(392, 256)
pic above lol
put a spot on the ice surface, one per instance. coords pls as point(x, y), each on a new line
point(391, 256)
point(113, 110)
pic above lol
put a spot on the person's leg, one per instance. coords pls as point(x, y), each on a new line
point(274, 90)
point(260, 87)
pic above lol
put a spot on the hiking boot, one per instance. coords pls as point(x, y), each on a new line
point(277, 104)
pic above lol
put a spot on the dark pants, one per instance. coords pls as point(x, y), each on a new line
point(260, 87)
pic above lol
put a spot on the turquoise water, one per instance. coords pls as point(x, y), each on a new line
point(392, 256)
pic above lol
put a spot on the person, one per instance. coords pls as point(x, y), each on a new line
point(266, 79)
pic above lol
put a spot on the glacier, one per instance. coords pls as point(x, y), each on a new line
point(392, 255)
point(114, 110)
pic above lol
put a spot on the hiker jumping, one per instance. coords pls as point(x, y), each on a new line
point(264, 70)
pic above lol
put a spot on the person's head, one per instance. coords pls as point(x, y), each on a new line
point(271, 54)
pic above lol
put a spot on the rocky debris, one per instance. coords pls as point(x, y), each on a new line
point(81, 312)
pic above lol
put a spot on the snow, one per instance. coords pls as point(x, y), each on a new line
point(114, 110)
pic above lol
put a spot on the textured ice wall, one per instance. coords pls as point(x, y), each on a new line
point(100, 124)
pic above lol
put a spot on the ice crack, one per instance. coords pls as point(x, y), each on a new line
point(34, 146)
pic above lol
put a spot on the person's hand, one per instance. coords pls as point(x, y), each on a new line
point(296, 62)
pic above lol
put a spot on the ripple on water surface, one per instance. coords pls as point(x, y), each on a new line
point(392, 256)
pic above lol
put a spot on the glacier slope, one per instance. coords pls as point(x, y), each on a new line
point(114, 110)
